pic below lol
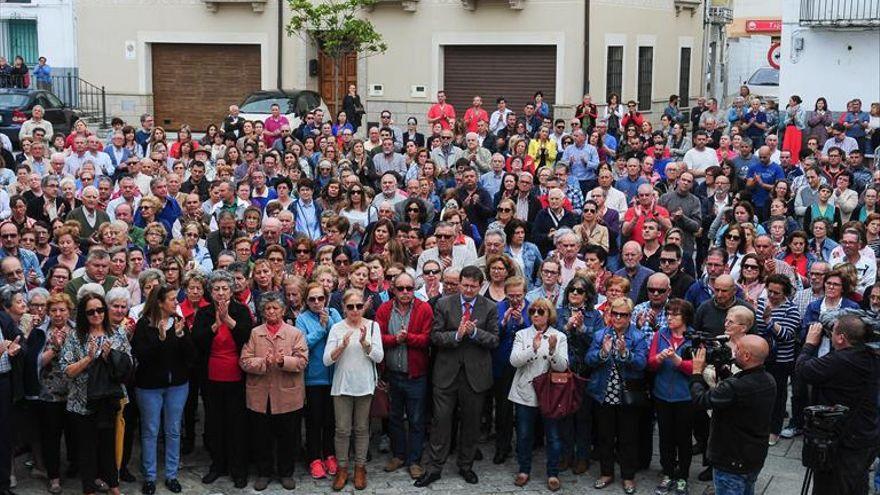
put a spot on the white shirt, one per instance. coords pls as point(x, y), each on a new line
point(355, 370)
point(530, 364)
point(701, 160)
point(866, 266)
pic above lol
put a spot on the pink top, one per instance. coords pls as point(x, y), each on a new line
point(272, 124)
point(446, 110)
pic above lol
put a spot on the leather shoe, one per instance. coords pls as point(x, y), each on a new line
point(341, 479)
point(173, 486)
point(360, 477)
point(500, 457)
point(148, 488)
point(426, 479)
point(210, 477)
point(705, 475)
point(126, 476)
point(239, 482)
point(469, 476)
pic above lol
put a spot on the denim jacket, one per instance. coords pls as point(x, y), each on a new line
point(579, 339)
point(632, 366)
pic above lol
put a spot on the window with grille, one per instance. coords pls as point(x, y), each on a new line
point(646, 71)
point(684, 77)
point(614, 71)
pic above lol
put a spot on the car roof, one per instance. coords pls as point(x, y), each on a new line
point(20, 91)
point(269, 93)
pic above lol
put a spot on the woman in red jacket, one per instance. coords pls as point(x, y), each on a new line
point(405, 324)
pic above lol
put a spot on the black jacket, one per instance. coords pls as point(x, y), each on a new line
point(160, 363)
point(847, 377)
point(741, 406)
point(203, 336)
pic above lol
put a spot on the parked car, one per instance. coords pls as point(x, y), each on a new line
point(16, 106)
point(294, 104)
point(764, 82)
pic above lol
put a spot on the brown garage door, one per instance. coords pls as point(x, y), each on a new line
point(514, 72)
point(195, 84)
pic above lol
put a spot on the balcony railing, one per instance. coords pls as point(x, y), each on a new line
point(840, 13)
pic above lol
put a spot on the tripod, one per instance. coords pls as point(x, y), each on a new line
point(808, 479)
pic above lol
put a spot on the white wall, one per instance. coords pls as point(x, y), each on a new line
point(757, 8)
point(837, 64)
point(56, 28)
point(744, 55)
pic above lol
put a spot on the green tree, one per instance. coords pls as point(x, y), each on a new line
point(337, 28)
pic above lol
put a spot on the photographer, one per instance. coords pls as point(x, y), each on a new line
point(848, 376)
point(741, 407)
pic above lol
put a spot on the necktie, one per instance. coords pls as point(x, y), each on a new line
point(467, 311)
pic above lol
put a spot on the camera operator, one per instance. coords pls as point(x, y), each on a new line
point(848, 376)
point(741, 407)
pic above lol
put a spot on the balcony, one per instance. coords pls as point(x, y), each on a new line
point(258, 6)
point(840, 13)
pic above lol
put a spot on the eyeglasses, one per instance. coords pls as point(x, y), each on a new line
point(655, 290)
point(317, 298)
point(537, 311)
point(431, 272)
point(578, 290)
point(445, 137)
point(616, 314)
point(191, 234)
point(355, 306)
point(751, 267)
point(95, 311)
point(276, 259)
point(549, 272)
point(404, 288)
point(668, 260)
point(444, 236)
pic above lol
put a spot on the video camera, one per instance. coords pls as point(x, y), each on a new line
point(718, 353)
point(822, 429)
point(871, 320)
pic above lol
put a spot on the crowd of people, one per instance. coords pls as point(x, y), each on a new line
point(348, 279)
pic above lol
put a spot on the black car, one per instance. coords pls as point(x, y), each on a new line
point(16, 106)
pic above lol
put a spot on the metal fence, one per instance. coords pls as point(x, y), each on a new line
point(88, 99)
point(840, 13)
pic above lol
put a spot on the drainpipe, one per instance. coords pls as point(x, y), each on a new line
point(586, 47)
point(280, 40)
point(704, 58)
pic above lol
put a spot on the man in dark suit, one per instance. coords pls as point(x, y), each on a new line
point(464, 333)
point(222, 238)
point(88, 216)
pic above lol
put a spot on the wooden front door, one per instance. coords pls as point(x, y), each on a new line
point(347, 75)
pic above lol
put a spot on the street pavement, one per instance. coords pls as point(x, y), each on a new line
point(782, 475)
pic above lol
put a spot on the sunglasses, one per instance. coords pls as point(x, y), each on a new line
point(317, 298)
point(578, 290)
point(95, 311)
point(303, 251)
point(589, 210)
point(404, 288)
point(431, 272)
point(505, 210)
point(444, 236)
point(356, 306)
point(668, 260)
point(617, 314)
point(416, 210)
point(751, 267)
point(355, 191)
point(536, 311)
point(655, 290)
point(733, 237)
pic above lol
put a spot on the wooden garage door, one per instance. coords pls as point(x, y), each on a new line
point(195, 84)
point(490, 71)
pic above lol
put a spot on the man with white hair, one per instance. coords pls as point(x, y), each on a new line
point(568, 245)
point(56, 164)
point(128, 193)
point(271, 234)
point(103, 164)
point(476, 155)
point(36, 121)
point(233, 122)
point(88, 215)
point(390, 190)
point(491, 180)
point(551, 219)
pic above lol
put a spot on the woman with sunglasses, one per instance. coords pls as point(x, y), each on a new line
point(734, 243)
point(315, 322)
point(304, 259)
point(358, 278)
point(592, 232)
point(94, 339)
point(193, 237)
point(618, 356)
point(416, 215)
point(358, 211)
point(778, 322)
point(577, 319)
point(274, 359)
point(751, 278)
point(504, 211)
point(672, 396)
point(536, 350)
point(163, 350)
point(354, 347)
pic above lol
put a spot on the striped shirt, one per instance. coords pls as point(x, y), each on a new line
point(783, 338)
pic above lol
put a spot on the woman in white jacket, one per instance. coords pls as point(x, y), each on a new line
point(536, 350)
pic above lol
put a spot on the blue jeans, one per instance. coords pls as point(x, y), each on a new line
point(407, 395)
point(734, 484)
point(166, 404)
point(576, 431)
point(525, 439)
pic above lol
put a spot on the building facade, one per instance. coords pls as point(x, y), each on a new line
point(834, 46)
point(171, 56)
point(34, 28)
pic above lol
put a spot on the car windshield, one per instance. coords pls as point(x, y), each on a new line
point(263, 104)
point(13, 100)
point(765, 77)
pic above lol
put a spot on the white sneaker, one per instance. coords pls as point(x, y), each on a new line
point(790, 432)
point(12, 481)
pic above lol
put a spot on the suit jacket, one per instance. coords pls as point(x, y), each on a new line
point(215, 246)
point(472, 353)
point(86, 230)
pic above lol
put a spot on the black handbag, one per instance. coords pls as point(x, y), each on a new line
point(635, 393)
point(106, 378)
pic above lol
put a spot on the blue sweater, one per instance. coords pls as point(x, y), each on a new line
point(316, 338)
point(633, 367)
point(815, 308)
point(670, 384)
point(506, 334)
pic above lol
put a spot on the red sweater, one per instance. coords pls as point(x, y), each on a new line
point(418, 334)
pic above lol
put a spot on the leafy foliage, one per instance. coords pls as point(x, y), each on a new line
point(336, 27)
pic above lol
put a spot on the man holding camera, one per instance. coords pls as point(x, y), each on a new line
point(848, 376)
point(741, 406)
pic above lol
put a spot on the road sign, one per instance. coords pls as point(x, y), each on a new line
point(774, 54)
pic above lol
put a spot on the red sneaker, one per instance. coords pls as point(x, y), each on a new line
point(316, 469)
point(331, 465)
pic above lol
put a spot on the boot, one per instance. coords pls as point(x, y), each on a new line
point(341, 478)
point(360, 477)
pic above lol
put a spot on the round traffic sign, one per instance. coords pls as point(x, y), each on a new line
point(774, 54)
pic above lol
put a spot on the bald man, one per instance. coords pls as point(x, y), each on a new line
point(633, 269)
point(711, 314)
point(741, 407)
